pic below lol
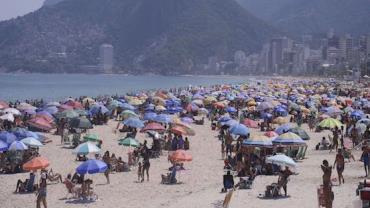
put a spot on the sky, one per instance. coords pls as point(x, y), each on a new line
point(14, 8)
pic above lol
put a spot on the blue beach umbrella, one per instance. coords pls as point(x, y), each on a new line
point(3, 146)
point(32, 142)
point(7, 137)
point(149, 116)
point(92, 167)
point(230, 109)
point(240, 129)
point(133, 122)
point(230, 122)
point(17, 146)
point(162, 118)
point(224, 119)
point(126, 106)
point(284, 128)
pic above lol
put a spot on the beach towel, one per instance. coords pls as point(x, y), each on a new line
point(228, 199)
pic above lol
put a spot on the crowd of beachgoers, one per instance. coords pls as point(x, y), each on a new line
point(251, 140)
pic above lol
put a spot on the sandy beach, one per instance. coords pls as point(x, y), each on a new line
point(201, 181)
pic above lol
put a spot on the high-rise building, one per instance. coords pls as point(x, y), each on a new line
point(106, 57)
point(276, 52)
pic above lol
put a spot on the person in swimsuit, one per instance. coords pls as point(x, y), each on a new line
point(41, 193)
point(327, 183)
point(365, 159)
point(339, 160)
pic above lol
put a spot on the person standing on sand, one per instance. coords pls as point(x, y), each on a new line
point(41, 192)
point(326, 178)
point(335, 139)
point(365, 160)
point(339, 160)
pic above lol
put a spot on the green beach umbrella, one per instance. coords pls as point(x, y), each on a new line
point(129, 142)
point(330, 123)
point(91, 138)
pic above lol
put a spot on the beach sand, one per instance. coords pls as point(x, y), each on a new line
point(201, 181)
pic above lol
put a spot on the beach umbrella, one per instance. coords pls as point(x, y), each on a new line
point(26, 106)
point(81, 123)
point(288, 138)
point(12, 111)
point(22, 133)
point(281, 160)
point(126, 106)
point(95, 109)
point(7, 117)
point(129, 142)
point(3, 105)
point(231, 109)
point(357, 114)
point(202, 111)
point(198, 102)
point(300, 132)
point(330, 123)
point(230, 123)
point(271, 134)
point(149, 116)
point(159, 108)
point(36, 164)
point(74, 104)
point(265, 106)
point(32, 142)
point(91, 138)
point(365, 121)
point(258, 141)
point(284, 128)
point(51, 109)
point(153, 127)
point(162, 118)
point(360, 128)
point(17, 146)
point(280, 120)
point(224, 119)
point(40, 123)
point(67, 114)
point(180, 156)
point(129, 114)
point(187, 120)
point(92, 167)
point(86, 148)
point(3, 146)
point(178, 130)
point(134, 123)
point(239, 129)
point(250, 123)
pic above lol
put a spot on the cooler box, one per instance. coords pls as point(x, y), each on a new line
point(365, 194)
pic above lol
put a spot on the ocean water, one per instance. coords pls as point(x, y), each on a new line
point(59, 86)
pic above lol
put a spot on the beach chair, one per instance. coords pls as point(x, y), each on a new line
point(66, 140)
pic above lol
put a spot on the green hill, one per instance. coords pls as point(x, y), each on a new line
point(313, 16)
point(162, 36)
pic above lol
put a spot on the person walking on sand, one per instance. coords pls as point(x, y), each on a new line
point(365, 160)
point(326, 178)
point(335, 139)
point(140, 172)
point(339, 160)
point(41, 192)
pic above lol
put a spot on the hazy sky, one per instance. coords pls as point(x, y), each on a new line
point(14, 8)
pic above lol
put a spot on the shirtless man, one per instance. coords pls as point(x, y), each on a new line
point(339, 160)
